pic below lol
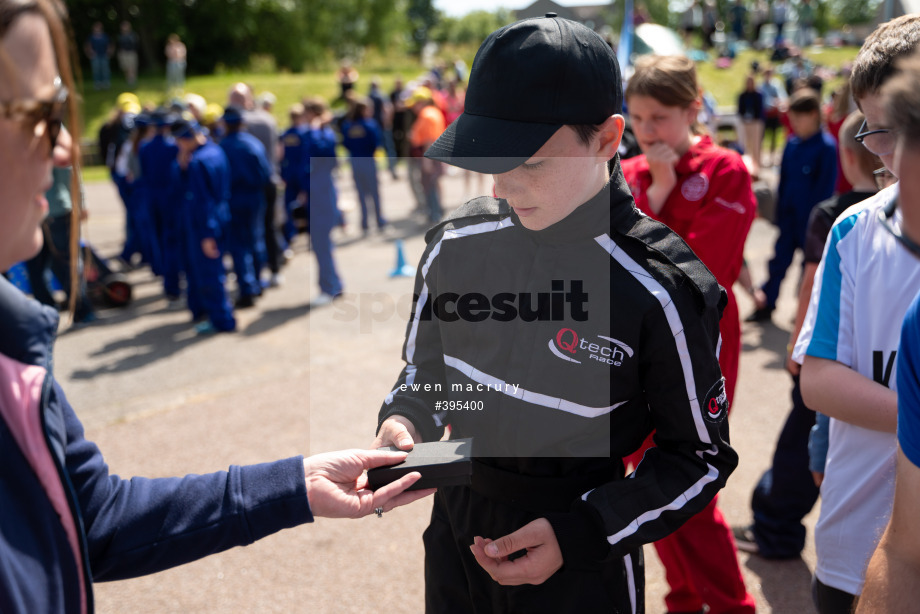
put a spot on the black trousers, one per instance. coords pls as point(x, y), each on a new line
point(786, 492)
point(456, 584)
point(272, 244)
point(830, 600)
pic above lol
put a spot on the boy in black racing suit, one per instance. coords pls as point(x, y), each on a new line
point(556, 326)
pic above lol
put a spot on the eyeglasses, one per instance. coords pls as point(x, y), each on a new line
point(883, 178)
point(880, 142)
point(885, 216)
point(42, 116)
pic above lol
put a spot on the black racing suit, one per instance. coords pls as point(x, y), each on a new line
point(577, 340)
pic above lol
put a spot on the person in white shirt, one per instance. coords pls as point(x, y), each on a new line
point(848, 346)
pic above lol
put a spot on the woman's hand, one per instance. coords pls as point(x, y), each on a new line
point(337, 483)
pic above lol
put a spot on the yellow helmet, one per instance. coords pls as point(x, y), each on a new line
point(212, 113)
point(126, 100)
point(419, 94)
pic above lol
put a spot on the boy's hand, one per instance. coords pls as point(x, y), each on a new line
point(543, 558)
point(396, 431)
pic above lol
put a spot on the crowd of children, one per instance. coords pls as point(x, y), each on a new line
point(196, 185)
point(160, 180)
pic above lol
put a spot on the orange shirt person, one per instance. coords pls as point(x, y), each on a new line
point(428, 126)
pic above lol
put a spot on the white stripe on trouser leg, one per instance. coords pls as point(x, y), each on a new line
point(630, 582)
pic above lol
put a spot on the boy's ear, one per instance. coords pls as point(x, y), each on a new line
point(609, 135)
point(849, 165)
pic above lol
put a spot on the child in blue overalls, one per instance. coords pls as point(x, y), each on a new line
point(322, 198)
point(140, 238)
point(361, 136)
point(292, 166)
point(201, 188)
point(157, 157)
point(250, 172)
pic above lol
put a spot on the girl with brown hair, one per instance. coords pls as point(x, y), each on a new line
point(703, 193)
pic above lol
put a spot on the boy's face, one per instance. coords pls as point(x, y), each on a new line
point(872, 108)
point(805, 124)
point(562, 175)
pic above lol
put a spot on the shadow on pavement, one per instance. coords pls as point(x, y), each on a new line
point(274, 318)
point(772, 338)
point(147, 347)
point(786, 585)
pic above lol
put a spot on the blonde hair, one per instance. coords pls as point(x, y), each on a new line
point(318, 107)
point(669, 79)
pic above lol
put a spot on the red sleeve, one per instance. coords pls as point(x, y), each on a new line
point(718, 229)
point(635, 171)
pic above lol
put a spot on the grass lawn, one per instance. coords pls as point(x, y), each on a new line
point(724, 84)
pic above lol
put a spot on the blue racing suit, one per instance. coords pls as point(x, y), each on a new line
point(250, 173)
point(362, 138)
point(157, 157)
point(203, 189)
point(323, 203)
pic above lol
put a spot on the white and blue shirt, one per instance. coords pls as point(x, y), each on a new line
point(863, 287)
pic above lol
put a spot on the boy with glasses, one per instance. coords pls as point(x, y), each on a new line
point(849, 344)
point(891, 579)
point(880, 142)
point(786, 492)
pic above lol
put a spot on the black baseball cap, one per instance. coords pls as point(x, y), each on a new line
point(529, 79)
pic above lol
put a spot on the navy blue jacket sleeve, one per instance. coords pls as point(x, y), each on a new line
point(828, 176)
point(140, 526)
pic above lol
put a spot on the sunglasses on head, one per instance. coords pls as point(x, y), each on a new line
point(42, 116)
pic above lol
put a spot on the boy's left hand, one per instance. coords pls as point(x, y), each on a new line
point(543, 558)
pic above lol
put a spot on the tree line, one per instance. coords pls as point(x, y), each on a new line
point(304, 34)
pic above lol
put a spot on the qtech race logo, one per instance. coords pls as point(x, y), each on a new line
point(569, 346)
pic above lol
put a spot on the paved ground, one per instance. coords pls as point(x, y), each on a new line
point(160, 401)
